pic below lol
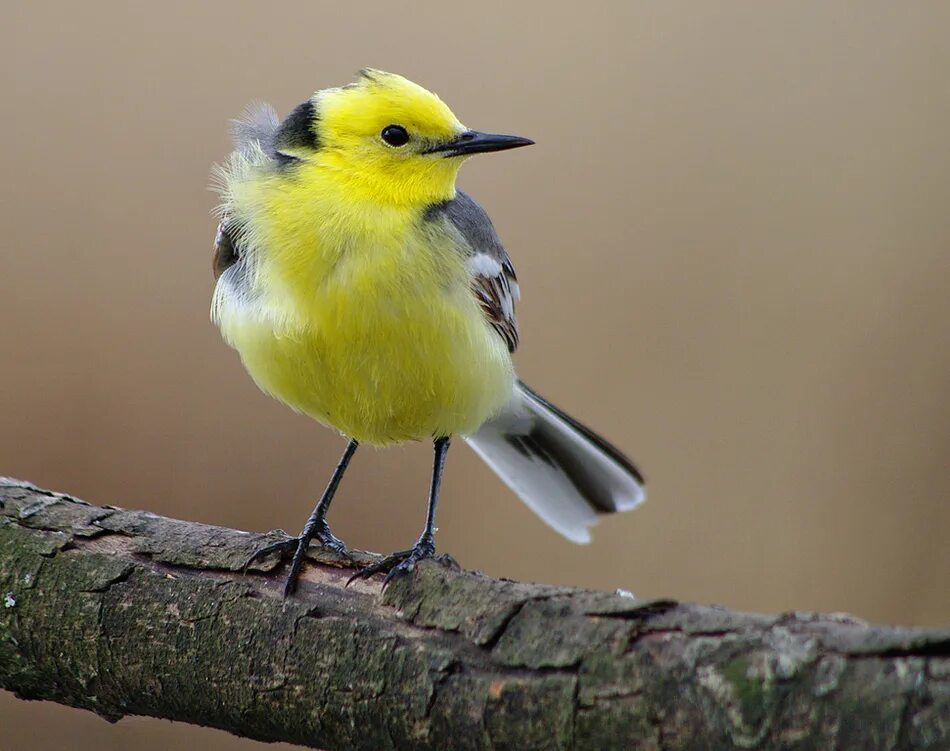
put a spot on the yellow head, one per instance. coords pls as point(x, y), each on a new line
point(385, 139)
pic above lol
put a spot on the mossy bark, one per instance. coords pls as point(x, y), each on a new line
point(125, 612)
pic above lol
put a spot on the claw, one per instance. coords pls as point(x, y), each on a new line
point(398, 563)
point(290, 548)
point(284, 547)
point(329, 540)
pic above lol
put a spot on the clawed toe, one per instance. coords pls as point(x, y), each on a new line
point(285, 548)
point(289, 548)
point(398, 563)
point(388, 564)
point(330, 541)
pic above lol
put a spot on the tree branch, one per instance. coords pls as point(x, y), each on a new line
point(125, 612)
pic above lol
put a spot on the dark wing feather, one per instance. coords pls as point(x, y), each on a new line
point(226, 250)
point(497, 293)
point(494, 283)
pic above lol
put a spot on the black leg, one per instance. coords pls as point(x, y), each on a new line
point(316, 526)
point(402, 561)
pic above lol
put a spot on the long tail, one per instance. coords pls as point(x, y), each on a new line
point(564, 472)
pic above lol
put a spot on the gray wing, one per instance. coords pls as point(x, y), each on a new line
point(494, 283)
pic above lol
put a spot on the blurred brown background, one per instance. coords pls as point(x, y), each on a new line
point(732, 238)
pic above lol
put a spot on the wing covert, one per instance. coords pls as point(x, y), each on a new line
point(494, 282)
point(496, 288)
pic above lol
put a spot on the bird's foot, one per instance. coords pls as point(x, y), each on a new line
point(330, 541)
point(287, 547)
point(398, 563)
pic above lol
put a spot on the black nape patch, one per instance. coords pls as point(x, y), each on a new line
point(298, 130)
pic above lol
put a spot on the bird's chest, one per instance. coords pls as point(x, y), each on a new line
point(387, 345)
point(392, 318)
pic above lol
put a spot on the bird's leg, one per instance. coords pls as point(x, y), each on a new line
point(402, 561)
point(316, 527)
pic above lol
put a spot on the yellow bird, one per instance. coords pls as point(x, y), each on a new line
point(360, 287)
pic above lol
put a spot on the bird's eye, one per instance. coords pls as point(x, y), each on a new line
point(395, 135)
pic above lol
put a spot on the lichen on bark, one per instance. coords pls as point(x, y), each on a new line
point(125, 612)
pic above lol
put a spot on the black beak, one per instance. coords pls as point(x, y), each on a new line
point(473, 142)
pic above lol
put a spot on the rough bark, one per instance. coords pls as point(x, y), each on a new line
point(125, 612)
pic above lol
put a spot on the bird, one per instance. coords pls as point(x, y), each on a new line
point(362, 288)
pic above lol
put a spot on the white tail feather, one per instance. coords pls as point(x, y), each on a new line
point(564, 472)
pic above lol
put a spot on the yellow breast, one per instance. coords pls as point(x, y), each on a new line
point(365, 322)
